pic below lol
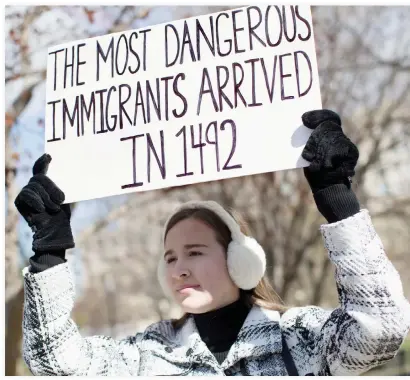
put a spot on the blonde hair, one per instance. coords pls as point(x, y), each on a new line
point(263, 294)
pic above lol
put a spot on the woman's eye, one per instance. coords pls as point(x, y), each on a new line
point(195, 253)
point(170, 260)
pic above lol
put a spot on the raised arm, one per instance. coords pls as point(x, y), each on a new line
point(52, 344)
point(374, 316)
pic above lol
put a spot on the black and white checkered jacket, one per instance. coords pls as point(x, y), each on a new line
point(365, 331)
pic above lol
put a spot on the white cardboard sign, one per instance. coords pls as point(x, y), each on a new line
point(201, 99)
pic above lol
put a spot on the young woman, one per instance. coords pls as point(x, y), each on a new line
point(233, 323)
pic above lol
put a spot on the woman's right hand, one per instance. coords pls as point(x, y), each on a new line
point(40, 204)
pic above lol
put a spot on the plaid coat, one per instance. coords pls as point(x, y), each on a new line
point(366, 330)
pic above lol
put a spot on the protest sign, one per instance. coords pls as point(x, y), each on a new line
point(201, 99)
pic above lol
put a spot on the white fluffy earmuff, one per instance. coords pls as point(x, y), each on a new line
point(246, 259)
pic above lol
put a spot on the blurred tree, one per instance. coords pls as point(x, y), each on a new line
point(19, 37)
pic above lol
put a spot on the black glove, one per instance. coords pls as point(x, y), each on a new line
point(333, 158)
point(40, 204)
point(332, 155)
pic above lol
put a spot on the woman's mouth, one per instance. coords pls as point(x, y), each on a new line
point(187, 288)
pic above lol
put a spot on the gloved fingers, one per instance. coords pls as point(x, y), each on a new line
point(40, 169)
point(45, 196)
point(349, 166)
point(309, 152)
point(342, 152)
point(41, 165)
point(327, 130)
point(312, 119)
point(67, 210)
point(314, 166)
point(319, 140)
point(353, 152)
point(28, 201)
point(335, 158)
point(53, 191)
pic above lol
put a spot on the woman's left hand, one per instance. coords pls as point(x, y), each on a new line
point(331, 154)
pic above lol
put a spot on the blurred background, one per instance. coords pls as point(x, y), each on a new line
point(364, 68)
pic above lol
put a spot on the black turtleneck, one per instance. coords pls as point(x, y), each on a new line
point(220, 328)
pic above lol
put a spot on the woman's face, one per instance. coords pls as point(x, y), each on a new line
point(196, 268)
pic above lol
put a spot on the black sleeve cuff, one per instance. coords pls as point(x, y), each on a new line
point(43, 261)
point(336, 202)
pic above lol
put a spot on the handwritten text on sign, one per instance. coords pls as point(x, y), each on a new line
point(195, 100)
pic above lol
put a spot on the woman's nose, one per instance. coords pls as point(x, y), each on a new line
point(180, 271)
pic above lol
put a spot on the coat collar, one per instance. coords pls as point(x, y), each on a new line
point(259, 335)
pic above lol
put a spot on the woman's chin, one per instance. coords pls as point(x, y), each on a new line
point(194, 305)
